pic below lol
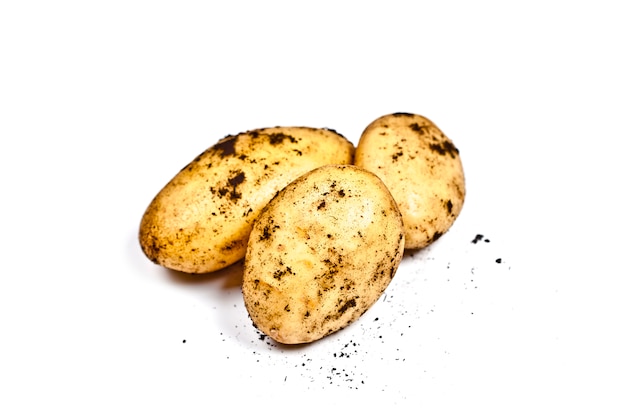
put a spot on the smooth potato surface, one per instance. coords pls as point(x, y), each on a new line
point(422, 169)
point(200, 221)
point(321, 253)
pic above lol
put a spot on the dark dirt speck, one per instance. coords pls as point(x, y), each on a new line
point(226, 146)
point(416, 127)
point(447, 148)
point(278, 138)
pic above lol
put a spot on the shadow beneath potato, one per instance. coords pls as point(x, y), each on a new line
point(231, 276)
point(412, 253)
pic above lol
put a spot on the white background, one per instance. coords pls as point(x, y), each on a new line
point(101, 103)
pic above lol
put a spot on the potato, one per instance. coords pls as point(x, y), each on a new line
point(321, 253)
point(422, 169)
point(200, 221)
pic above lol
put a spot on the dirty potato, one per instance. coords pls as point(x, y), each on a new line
point(422, 169)
point(200, 221)
point(321, 253)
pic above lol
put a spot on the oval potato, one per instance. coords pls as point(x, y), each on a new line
point(200, 221)
point(321, 253)
point(422, 169)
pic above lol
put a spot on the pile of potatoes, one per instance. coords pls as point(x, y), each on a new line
point(322, 225)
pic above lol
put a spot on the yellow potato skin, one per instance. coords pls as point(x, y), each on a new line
point(321, 253)
point(200, 221)
point(422, 169)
